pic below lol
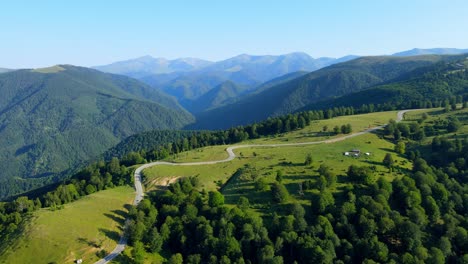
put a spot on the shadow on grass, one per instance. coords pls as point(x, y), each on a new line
point(388, 150)
point(121, 213)
point(114, 235)
point(90, 243)
point(116, 218)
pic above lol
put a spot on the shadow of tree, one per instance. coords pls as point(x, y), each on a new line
point(114, 235)
point(116, 218)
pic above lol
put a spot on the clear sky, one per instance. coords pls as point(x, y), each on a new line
point(91, 32)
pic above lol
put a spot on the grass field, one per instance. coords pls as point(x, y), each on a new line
point(79, 230)
point(313, 132)
point(267, 160)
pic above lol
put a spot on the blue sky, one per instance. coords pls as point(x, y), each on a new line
point(87, 33)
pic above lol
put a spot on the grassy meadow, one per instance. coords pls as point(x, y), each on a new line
point(266, 161)
point(79, 230)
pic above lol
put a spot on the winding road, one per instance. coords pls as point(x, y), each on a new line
point(230, 150)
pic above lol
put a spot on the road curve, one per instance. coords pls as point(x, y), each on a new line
point(230, 150)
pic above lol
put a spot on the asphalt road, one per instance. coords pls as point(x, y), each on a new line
point(230, 150)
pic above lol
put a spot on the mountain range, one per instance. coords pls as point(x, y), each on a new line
point(189, 84)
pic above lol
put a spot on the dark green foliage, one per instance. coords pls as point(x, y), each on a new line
point(363, 174)
point(453, 125)
point(400, 147)
point(215, 199)
point(388, 161)
point(279, 192)
point(308, 160)
point(52, 122)
point(346, 129)
point(147, 141)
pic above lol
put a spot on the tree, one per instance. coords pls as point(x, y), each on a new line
point(308, 160)
point(336, 130)
point(176, 259)
point(138, 252)
point(346, 129)
point(243, 203)
point(453, 125)
point(400, 147)
point(279, 192)
point(325, 128)
point(388, 161)
point(215, 199)
point(322, 183)
point(363, 174)
point(279, 176)
point(261, 184)
point(323, 201)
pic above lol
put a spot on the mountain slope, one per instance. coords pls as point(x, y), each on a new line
point(52, 119)
point(333, 81)
point(222, 94)
point(430, 84)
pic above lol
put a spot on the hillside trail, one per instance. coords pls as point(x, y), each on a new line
point(231, 155)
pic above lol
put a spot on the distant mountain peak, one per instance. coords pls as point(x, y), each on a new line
point(52, 69)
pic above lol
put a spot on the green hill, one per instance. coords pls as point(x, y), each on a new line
point(54, 118)
point(330, 82)
point(417, 89)
point(220, 95)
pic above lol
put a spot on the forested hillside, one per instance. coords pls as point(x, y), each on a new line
point(418, 89)
point(331, 82)
point(54, 118)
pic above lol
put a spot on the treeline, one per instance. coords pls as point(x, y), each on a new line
point(146, 140)
point(270, 127)
point(421, 217)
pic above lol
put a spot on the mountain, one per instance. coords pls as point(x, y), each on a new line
point(435, 51)
point(222, 94)
point(54, 118)
point(147, 65)
point(330, 82)
point(426, 85)
point(249, 71)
